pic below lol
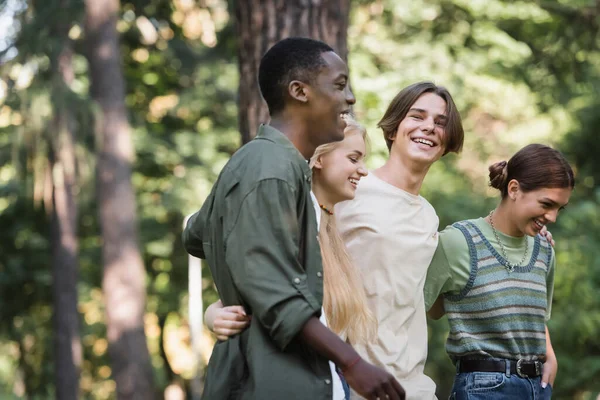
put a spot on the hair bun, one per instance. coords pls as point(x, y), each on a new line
point(498, 174)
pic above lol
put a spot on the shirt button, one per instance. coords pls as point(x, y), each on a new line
point(296, 280)
point(327, 381)
point(319, 274)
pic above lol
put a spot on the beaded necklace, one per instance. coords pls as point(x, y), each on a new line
point(325, 209)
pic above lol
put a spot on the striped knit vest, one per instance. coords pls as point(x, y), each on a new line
point(499, 314)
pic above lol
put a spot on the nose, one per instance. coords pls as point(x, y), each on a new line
point(362, 170)
point(551, 216)
point(350, 99)
point(428, 124)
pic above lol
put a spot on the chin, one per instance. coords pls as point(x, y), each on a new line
point(333, 137)
point(339, 136)
point(424, 158)
point(347, 196)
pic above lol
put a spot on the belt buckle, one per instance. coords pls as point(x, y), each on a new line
point(522, 375)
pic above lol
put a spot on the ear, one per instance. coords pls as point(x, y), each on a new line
point(513, 189)
point(393, 135)
point(298, 91)
point(318, 163)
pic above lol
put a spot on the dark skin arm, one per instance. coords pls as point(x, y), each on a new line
point(367, 380)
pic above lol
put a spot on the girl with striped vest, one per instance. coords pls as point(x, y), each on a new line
point(494, 277)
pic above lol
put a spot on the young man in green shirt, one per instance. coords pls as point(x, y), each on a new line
point(257, 230)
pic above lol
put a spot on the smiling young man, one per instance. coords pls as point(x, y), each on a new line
point(257, 230)
point(391, 231)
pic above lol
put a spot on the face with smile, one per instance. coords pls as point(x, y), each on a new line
point(532, 210)
point(338, 172)
point(420, 135)
point(330, 98)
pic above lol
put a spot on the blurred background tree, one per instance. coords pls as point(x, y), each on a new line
point(123, 281)
point(520, 72)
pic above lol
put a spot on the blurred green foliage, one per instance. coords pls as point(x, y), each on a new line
point(519, 71)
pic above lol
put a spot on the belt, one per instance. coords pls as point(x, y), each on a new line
point(522, 368)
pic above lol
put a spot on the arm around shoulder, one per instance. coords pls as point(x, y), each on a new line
point(225, 321)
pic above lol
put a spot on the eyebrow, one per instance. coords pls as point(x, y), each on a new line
point(358, 152)
point(441, 116)
point(341, 76)
point(546, 199)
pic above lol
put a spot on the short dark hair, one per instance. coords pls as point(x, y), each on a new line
point(289, 59)
point(400, 105)
point(535, 166)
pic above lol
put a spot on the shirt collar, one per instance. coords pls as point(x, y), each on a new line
point(267, 132)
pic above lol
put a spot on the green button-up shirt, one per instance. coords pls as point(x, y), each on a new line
point(257, 231)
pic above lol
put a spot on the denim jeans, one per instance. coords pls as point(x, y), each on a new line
point(498, 386)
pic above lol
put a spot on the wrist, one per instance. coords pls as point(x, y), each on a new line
point(351, 364)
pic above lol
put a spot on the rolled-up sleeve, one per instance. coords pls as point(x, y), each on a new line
point(262, 255)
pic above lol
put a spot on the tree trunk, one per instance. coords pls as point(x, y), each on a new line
point(123, 283)
point(261, 23)
point(64, 241)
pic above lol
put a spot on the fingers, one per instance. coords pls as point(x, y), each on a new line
point(548, 235)
point(236, 310)
point(229, 324)
point(229, 328)
point(380, 394)
point(548, 377)
point(391, 391)
point(227, 315)
point(236, 325)
point(545, 379)
point(399, 389)
point(227, 332)
point(228, 320)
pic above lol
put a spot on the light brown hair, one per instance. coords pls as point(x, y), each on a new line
point(400, 105)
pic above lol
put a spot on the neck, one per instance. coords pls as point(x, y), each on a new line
point(404, 175)
point(502, 221)
point(295, 130)
point(322, 195)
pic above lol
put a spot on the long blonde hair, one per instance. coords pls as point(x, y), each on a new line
point(344, 299)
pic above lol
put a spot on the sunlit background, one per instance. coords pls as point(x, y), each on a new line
point(520, 72)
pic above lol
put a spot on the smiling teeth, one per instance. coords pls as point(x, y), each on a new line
point(538, 223)
point(424, 141)
point(353, 181)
